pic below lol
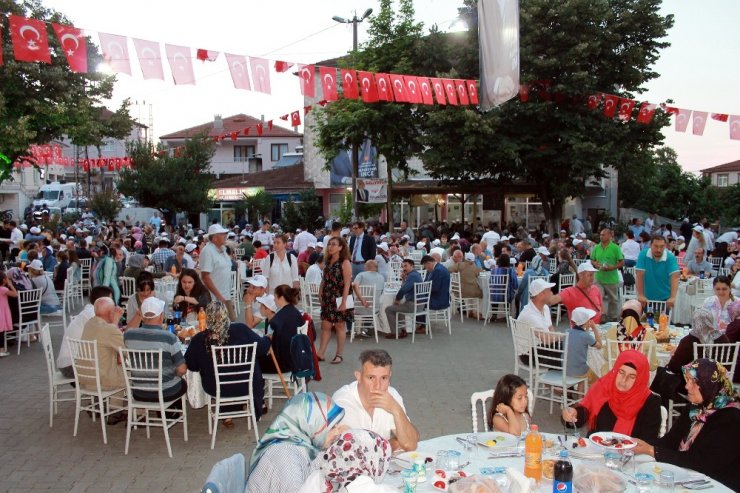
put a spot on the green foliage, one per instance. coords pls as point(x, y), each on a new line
point(176, 181)
point(71, 217)
point(305, 213)
point(106, 205)
point(345, 211)
point(259, 205)
point(41, 102)
point(291, 219)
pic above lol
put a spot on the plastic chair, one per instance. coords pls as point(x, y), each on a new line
point(273, 382)
point(552, 266)
point(521, 334)
point(394, 271)
point(463, 305)
point(258, 265)
point(86, 268)
point(142, 369)
point(614, 347)
point(481, 398)
point(128, 288)
point(86, 366)
point(658, 307)
point(364, 315)
point(551, 360)
point(29, 314)
point(422, 293)
point(663, 421)
point(56, 379)
point(232, 365)
point(236, 294)
point(442, 315)
point(723, 353)
point(227, 476)
point(564, 281)
point(314, 303)
point(498, 304)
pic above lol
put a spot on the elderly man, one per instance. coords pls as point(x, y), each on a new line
point(657, 273)
point(439, 299)
point(256, 287)
point(456, 257)
point(162, 255)
point(215, 267)
point(152, 336)
point(369, 277)
point(404, 302)
point(371, 403)
point(699, 264)
point(361, 247)
point(608, 259)
point(469, 273)
point(177, 260)
point(583, 294)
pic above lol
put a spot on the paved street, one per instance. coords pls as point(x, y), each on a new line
point(435, 377)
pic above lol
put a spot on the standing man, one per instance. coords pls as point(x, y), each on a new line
point(362, 194)
point(657, 274)
point(584, 294)
point(607, 258)
point(576, 226)
point(630, 249)
point(264, 236)
point(215, 267)
point(362, 247)
point(303, 240)
point(156, 222)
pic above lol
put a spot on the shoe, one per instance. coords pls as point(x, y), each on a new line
point(403, 334)
point(228, 424)
point(421, 330)
point(337, 360)
point(364, 335)
point(114, 419)
point(4, 354)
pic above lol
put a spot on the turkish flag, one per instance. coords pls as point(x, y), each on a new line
point(234, 135)
point(524, 92)
point(74, 45)
point(671, 110)
point(462, 93)
point(734, 127)
point(472, 91)
point(181, 64)
point(281, 66)
point(399, 88)
point(367, 87)
point(306, 80)
point(329, 83)
point(698, 122)
point(383, 81)
point(720, 117)
point(238, 68)
point(30, 42)
point(349, 84)
point(115, 52)
point(647, 110)
point(295, 118)
point(246, 130)
point(269, 125)
point(610, 105)
point(439, 90)
point(625, 108)
point(206, 55)
point(260, 74)
point(150, 58)
point(682, 119)
point(425, 87)
point(593, 101)
point(260, 128)
point(413, 94)
point(450, 91)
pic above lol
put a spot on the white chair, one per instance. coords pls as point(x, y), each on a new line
point(550, 361)
point(232, 365)
point(56, 379)
point(236, 292)
point(273, 382)
point(463, 305)
point(716, 265)
point(614, 347)
point(521, 334)
point(394, 271)
point(29, 315)
point(552, 266)
point(85, 363)
point(366, 315)
point(128, 288)
point(663, 421)
point(59, 318)
point(723, 353)
point(658, 307)
point(75, 284)
point(564, 281)
point(422, 293)
point(703, 289)
point(314, 302)
point(142, 369)
point(86, 268)
point(304, 293)
point(443, 315)
point(482, 398)
point(628, 292)
point(498, 304)
point(258, 265)
point(239, 252)
point(416, 256)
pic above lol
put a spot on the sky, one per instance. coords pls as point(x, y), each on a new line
point(698, 71)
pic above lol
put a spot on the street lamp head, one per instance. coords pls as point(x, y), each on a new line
point(367, 14)
point(340, 20)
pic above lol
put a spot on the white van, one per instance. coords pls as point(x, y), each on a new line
point(56, 194)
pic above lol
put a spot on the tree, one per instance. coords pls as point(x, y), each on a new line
point(41, 102)
point(106, 205)
point(568, 51)
point(259, 205)
point(173, 181)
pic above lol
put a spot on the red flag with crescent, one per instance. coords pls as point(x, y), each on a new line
point(74, 45)
point(181, 64)
point(295, 118)
point(682, 119)
point(349, 84)
point(472, 91)
point(238, 68)
point(260, 74)
point(439, 90)
point(307, 82)
point(385, 91)
point(367, 87)
point(626, 106)
point(328, 82)
point(647, 110)
point(593, 101)
point(413, 95)
point(462, 92)
point(450, 91)
point(734, 127)
point(115, 52)
point(399, 88)
point(30, 42)
point(699, 120)
point(150, 58)
point(610, 105)
point(425, 87)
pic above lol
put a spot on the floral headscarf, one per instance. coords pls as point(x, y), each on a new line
point(716, 389)
point(629, 327)
point(218, 322)
point(703, 326)
point(733, 310)
point(353, 454)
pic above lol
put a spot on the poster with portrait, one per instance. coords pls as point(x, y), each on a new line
point(341, 166)
point(372, 191)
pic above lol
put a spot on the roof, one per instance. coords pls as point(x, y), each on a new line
point(733, 166)
point(288, 178)
point(235, 123)
point(289, 160)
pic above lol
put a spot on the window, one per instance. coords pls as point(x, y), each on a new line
point(243, 153)
point(277, 151)
point(723, 180)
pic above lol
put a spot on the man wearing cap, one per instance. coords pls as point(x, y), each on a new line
point(187, 256)
point(215, 267)
point(657, 274)
point(583, 334)
point(582, 294)
point(361, 246)
point(607, 258)
point(34, 234)
point(383, 254)
point(404, 302)
point(536, 314)
point(439, 298)
point(538, 267)
point(264, 236)
point(303, 258)
point(152, 336)
point(256, 287)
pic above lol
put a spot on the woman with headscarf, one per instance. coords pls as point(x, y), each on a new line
point(134, 265)
point(308, 423)
point(703, 331)
point(704, 438)
point(620, 401)
point(628, 329)
point(221, 332)
point(359, 458)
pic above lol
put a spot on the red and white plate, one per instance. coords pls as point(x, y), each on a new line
point(612, 440)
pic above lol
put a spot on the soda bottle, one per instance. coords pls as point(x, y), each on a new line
point(520, 270)
point(202, 320)
point(663, 322)
point(533, 454)
point(173, 270)
point(650, 319)
point(562, 481)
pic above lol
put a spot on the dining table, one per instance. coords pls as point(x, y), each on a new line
point(492, 461)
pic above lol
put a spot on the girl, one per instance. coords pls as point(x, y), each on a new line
point(6, 320)
point(509, 407)
point(191, 294)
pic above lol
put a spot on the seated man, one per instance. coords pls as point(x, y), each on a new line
point(469, 285)
point(536, 314)
point(699, 264)
point(439, 298)
point(372, 404)
point(404, 301)
point(369, 277)
point(151, 335)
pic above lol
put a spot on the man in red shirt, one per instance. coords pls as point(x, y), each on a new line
point(584, 294)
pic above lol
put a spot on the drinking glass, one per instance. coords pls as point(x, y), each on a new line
point(472, 440)
point(453, 460)
point(441, 459)
point(409, 478)
point(628, 463)
point(666, 482)
point(644, 482)
point(612, 460)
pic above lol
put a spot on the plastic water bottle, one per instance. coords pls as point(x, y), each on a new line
point(533, 454)
point(563, 474)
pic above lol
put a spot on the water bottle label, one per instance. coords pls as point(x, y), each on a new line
point(562, 487)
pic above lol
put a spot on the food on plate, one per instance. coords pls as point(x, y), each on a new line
point(495, 440)
point(667, 347)
point(548, 467)
point(475, 484)
point(581, 442)
point(548, 443)
point(657, 470)
point(612, 441)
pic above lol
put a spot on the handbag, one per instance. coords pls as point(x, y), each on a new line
point(666, 384)
point(197, 397)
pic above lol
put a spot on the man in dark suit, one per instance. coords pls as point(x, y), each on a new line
point(361, 248)
point(404, 302)
point(439, 299)
point(362, 194)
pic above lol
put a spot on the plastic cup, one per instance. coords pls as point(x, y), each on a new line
point(612, 460)
point(666, 481)
point(441, 459)
point(472, 440)
point(453, 460)
point(410, 478)
point(644, 482)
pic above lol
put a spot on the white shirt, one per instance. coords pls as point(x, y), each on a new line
point(649, 225)
point(314, 274)
point(280, 272)
point(74, 331)
point(217, 263)
point(576, 226)
point(536, 319)
point(729, 237)
point(15, 236)
point(491, 238)
point(355, 416)
point(301, 241)
point(265, 237)
point(630, 249)
point(188, 261)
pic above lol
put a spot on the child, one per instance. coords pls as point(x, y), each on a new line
point(6, 320)
point(583, 335)
point(509, 408)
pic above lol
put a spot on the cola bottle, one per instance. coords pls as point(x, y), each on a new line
point(563, 474)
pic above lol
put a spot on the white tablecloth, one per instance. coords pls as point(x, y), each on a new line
point(682, 310)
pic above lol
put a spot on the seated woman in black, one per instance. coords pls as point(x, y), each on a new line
point(284, 322)
point(705, 437)
point(221, 333)
point(191, 295)
point(620, 401)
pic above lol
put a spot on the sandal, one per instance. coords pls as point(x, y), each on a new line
point(337, 359)
point(229, 424)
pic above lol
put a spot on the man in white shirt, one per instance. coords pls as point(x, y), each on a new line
point(215, 267)
point(576, 226)
point(630, 249)
point(491, 238)
point(371, 403)
point(301, 241)
point(264, 236)
point(536, 313)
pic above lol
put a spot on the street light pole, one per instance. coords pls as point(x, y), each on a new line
point(355, 148)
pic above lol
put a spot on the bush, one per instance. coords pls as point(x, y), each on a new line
point(106, 205)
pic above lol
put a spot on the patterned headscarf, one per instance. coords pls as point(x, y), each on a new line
point(629, 327)
point(716, 390)
point(703, 326)
point(733, 310)
point(305, 421)
point(218, 322)
point(353, 454)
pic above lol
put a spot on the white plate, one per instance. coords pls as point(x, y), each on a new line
point(605, 435)
point(679, 473)
point(502, 439)
point(413, 455)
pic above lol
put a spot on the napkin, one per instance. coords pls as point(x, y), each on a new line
point(519, 483)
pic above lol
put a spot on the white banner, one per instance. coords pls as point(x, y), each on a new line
point(498, 33)
point(372, 191)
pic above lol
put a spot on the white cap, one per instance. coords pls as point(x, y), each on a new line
point(406, 237)
point(470, 256)
point(231, 234)
point(319, 244)
point(539, 285)
point(182, 241)
point(23, 226)
point(563, 231)
point(455, 237)
point(383, 246)
point(543, 251)
point(581, 235)
point(581, 315)
point(436, 242)
point(680, 237)
point(587, 267)
point(259, 280)
point(698, 229)
point(268, 301)
point(35, 230)
point(190, 247)
point(215, 229)
point(344, 232)
point(577, 242)
point(152, 307)
point(298, 230)
point(63, 236)
point(36, 265)
point(439, 250)
point(545, 235)
point(311, 245)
